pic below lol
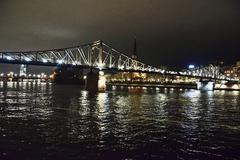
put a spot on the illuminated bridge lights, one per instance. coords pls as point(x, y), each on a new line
point(9, 58)
point(100, 55)
point(121, 67)
point(60, 61)
point(27, 59)
point(44, 60)
point(100, 65)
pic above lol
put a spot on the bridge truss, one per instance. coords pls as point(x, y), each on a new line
point(97, 55)
point(209, 72)
point(100, 56)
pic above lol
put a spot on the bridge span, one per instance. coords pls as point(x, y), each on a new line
point(102, 57)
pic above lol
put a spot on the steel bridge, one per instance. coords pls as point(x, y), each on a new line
point(99, 55)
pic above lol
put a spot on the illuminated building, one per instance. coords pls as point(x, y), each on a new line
point(233, 71)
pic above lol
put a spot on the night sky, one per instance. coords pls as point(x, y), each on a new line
point(168, 32)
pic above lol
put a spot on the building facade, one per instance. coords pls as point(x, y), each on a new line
point(233, 71)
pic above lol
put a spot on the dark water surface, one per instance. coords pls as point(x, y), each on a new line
point(45, 121)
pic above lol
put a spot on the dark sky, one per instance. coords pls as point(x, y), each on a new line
point(168, 32)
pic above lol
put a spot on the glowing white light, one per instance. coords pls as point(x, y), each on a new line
point(191, 66)
point(9, 58)
point(223, 82)
point(38, 75)
point(44, 60)
point(43, 75)
point(235, 86)
point(120, 67)
point(27, 59)
point(84, 77)
point(101, 73)
point(59, 61)
point(205, 87)
point(100, 65)
point(101, 83)
point(2, 74)
point(74, 63)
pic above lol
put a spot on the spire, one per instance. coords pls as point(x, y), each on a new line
point(135, 49)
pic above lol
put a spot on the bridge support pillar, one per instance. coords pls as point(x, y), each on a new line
point(205, 85)
point(96, 81)
point(23, 70)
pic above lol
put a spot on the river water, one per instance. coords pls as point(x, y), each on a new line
point(47, 121)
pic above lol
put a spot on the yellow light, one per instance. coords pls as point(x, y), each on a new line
point(224, 86)
point(51, 76)
point(217, 85)
point(102, 83)
point(101, 73)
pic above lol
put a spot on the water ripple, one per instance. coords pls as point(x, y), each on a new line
point(45, 121)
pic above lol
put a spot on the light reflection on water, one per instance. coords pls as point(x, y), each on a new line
point(45, 121)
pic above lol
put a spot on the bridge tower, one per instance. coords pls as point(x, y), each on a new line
point(23, 70)
point(96, 81)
